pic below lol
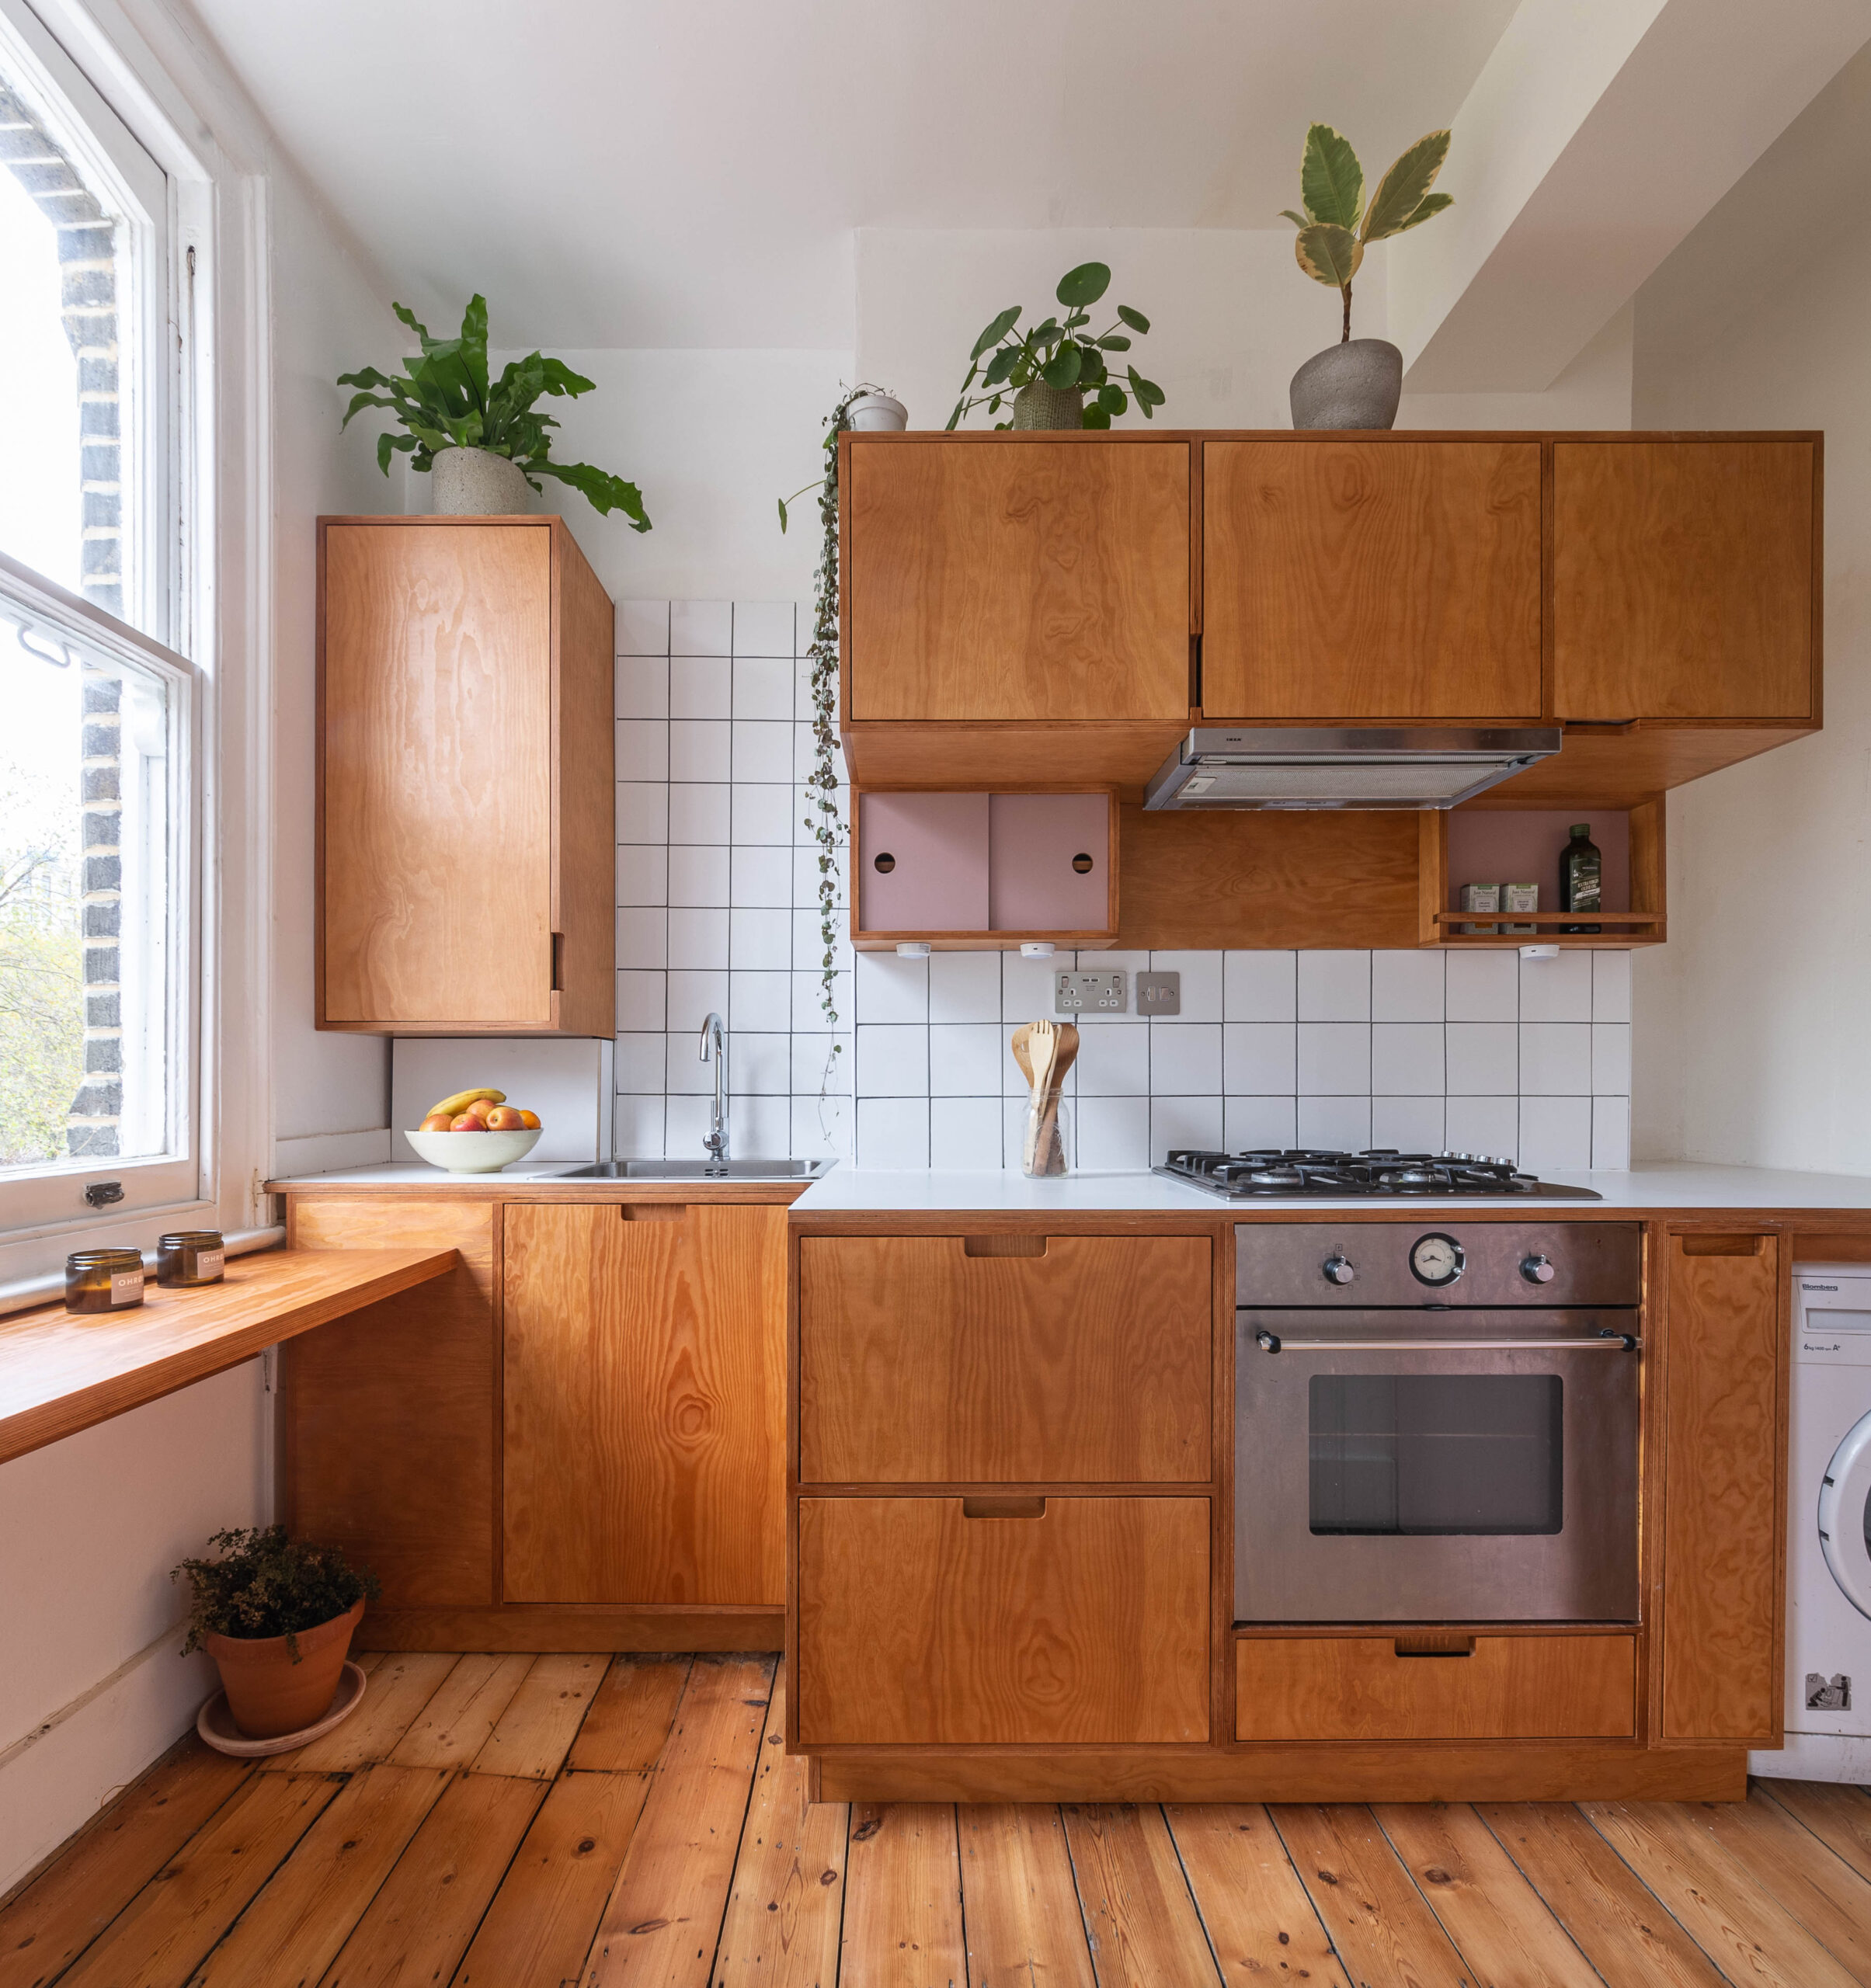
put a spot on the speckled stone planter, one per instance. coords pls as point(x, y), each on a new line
point(1354, 385)
point(472, 483)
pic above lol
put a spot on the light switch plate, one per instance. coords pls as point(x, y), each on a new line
point(1159, 993)
point(1089, 993)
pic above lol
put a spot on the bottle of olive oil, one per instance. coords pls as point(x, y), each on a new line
point(1581, 877)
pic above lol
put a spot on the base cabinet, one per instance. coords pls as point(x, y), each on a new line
point(989, 1620)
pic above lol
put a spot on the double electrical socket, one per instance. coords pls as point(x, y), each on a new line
point(1104, 993)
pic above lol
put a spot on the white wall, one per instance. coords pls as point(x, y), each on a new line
point(1753, 1017)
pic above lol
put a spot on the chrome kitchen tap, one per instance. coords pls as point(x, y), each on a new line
point(714, 1041)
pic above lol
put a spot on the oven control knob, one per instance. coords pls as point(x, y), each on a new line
point(1338, 1270)
point(1536, 1269)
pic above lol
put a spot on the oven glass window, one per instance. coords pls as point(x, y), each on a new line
point(1417, 1453)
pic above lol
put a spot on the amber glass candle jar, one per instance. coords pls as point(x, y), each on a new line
point(191, 1255)
point(103, 1280)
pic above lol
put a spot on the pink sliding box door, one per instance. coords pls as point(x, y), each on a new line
point(1034, 840)
point(936, 846)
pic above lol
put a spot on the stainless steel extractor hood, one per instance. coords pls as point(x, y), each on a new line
point(1394, 767)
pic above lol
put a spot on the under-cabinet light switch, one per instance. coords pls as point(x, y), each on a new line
point(1159, 993)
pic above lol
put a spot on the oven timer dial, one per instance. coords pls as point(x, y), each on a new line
point(1437, 1259)
point(1338, 1270)
point(1537, 1270)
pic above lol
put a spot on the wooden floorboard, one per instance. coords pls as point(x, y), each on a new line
point(579, 1821)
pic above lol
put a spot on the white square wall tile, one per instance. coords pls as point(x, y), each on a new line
point(1185, 1057)
point(700, 687)
point(637, 1129)
point(964, 987)
point(642, 687)
point(1113, 1134)
point(1334, 987)
point(892, 1060)
point(1489, 1126)
point(763, 627)
point(693, 995)
point(642, 749)
point(643, 811)
point(759, 1065)
point(1026, 985)
point(893, 1131)
point(1407, 987)
point(1411, 1125)
point(702, 627)
point(1407, 1059)
point(698, 811)
point(641, 996)
point(699, 876)
point(806, 858)
point(761, 1126)
point(1112, 1062)
point(643, 627)
point(1555, 1134)
point(1610, 1133)
point(1202, 982)
point(685, 1074)
point(686, 1121)
point(761, 1001)
point(967, 1059)
point(809, 940)
point(1334, 1059)
point(643, 874)
point(808, 1003)
point(1249, 1122)
point(1260, 1058)
point(699, 939)
point(761, 938)
point(698, 748)
point(1557, 990)
point(1556, 1058)
point(821, 1127)
point(1335, 1122)
point(639, 1064)
point(1195, 1122)
point(1261, 987)
point(1610, 1059)
point(822, 1063)
point(1611, 987)
point(762, 876)
point(763, 750)
point(964, 1134)
point(762, 688)
point(1483, 1059)
point(762, 812)
point(642, 937)
point(888, 987)
point(1482, 987)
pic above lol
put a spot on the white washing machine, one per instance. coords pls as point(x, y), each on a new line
point(1828, 1558)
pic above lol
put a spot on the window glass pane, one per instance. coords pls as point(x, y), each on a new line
point(1436, 1454)
point(85, 890)
point(65, 285)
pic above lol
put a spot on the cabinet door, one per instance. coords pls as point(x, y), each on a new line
point(1050, 867)
point(436, 728)
point(1723, 1491)
point(1360, 580)
point(964, 1622)
point(644, 1403)
point(1012, 579)
point(922, 861)
point(1683, 580)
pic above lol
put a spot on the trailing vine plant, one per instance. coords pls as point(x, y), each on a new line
point(821, 783)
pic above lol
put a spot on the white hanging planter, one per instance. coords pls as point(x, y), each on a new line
point(878, 414)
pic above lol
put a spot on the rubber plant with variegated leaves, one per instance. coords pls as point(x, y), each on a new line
point(1338, 225)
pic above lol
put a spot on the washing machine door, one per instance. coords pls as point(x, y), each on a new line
point(1845, 1516)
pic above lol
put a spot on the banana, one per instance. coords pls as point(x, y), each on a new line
point(454, 1106)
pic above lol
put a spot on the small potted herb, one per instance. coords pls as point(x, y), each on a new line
point(277, 1617)
point(480, 436)
point(1046, 371)
point(1357, 382)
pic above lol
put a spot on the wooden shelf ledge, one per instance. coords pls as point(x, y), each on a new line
point(62, 1372)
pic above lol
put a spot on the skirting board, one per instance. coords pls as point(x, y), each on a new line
point(1300, 1773)
point(551, 1626)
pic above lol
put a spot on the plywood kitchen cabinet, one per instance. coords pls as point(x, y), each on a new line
point(1349, 582)
point(985, 870)
point(466, 801)
point(1016, 578)
point(1685, 574)
point(643, 1403)
point(1723, 1489)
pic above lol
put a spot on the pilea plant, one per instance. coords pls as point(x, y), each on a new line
point(1060, 353)
point(1337, 225)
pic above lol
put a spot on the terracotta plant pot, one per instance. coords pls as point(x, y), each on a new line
point(269, 1693)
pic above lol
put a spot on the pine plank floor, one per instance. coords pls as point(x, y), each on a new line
point(581, 1822)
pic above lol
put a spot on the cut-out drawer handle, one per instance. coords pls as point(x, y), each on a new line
point(1434, 1645)
point(653, 1210)
point(1004, 1508)
point(1004, 1246)
point(1720, 1246)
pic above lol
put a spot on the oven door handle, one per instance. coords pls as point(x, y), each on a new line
point(1607, 1341)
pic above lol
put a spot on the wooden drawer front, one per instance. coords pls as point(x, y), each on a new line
point(921, 1624)
point(1510, 1687)
point(919, 1364)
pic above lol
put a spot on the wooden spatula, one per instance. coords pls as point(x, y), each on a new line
point(1067, 1049)
point(1042, 1046)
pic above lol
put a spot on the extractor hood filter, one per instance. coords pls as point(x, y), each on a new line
point(1391, 768)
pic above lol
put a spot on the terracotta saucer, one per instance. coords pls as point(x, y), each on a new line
point(215, 1723)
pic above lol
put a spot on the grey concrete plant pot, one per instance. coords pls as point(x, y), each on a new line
point(1357, 384)
point(1042, 406)
point(472, 483)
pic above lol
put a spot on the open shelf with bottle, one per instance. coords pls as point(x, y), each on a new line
point(1500, 844)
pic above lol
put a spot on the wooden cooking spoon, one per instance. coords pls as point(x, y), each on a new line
point(1061, 1061)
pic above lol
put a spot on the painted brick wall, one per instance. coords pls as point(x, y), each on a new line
point(717, 884)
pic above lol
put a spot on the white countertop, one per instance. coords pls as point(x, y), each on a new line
point(1657, 1184)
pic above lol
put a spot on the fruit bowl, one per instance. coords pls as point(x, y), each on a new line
point(472, 1152)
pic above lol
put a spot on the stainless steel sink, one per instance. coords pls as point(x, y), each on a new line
point(702, 1170)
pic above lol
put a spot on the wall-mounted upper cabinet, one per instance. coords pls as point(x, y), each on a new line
point(1363, 580)
point(1685, 577)
point(1023, 579)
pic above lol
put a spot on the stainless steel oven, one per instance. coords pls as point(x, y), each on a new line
point(1437, 1420)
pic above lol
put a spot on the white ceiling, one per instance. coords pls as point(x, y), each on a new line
point(688, 172)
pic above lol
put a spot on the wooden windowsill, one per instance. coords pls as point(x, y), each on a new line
point(61, 1371)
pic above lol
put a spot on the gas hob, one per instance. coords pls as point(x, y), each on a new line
point(1266, 1174)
